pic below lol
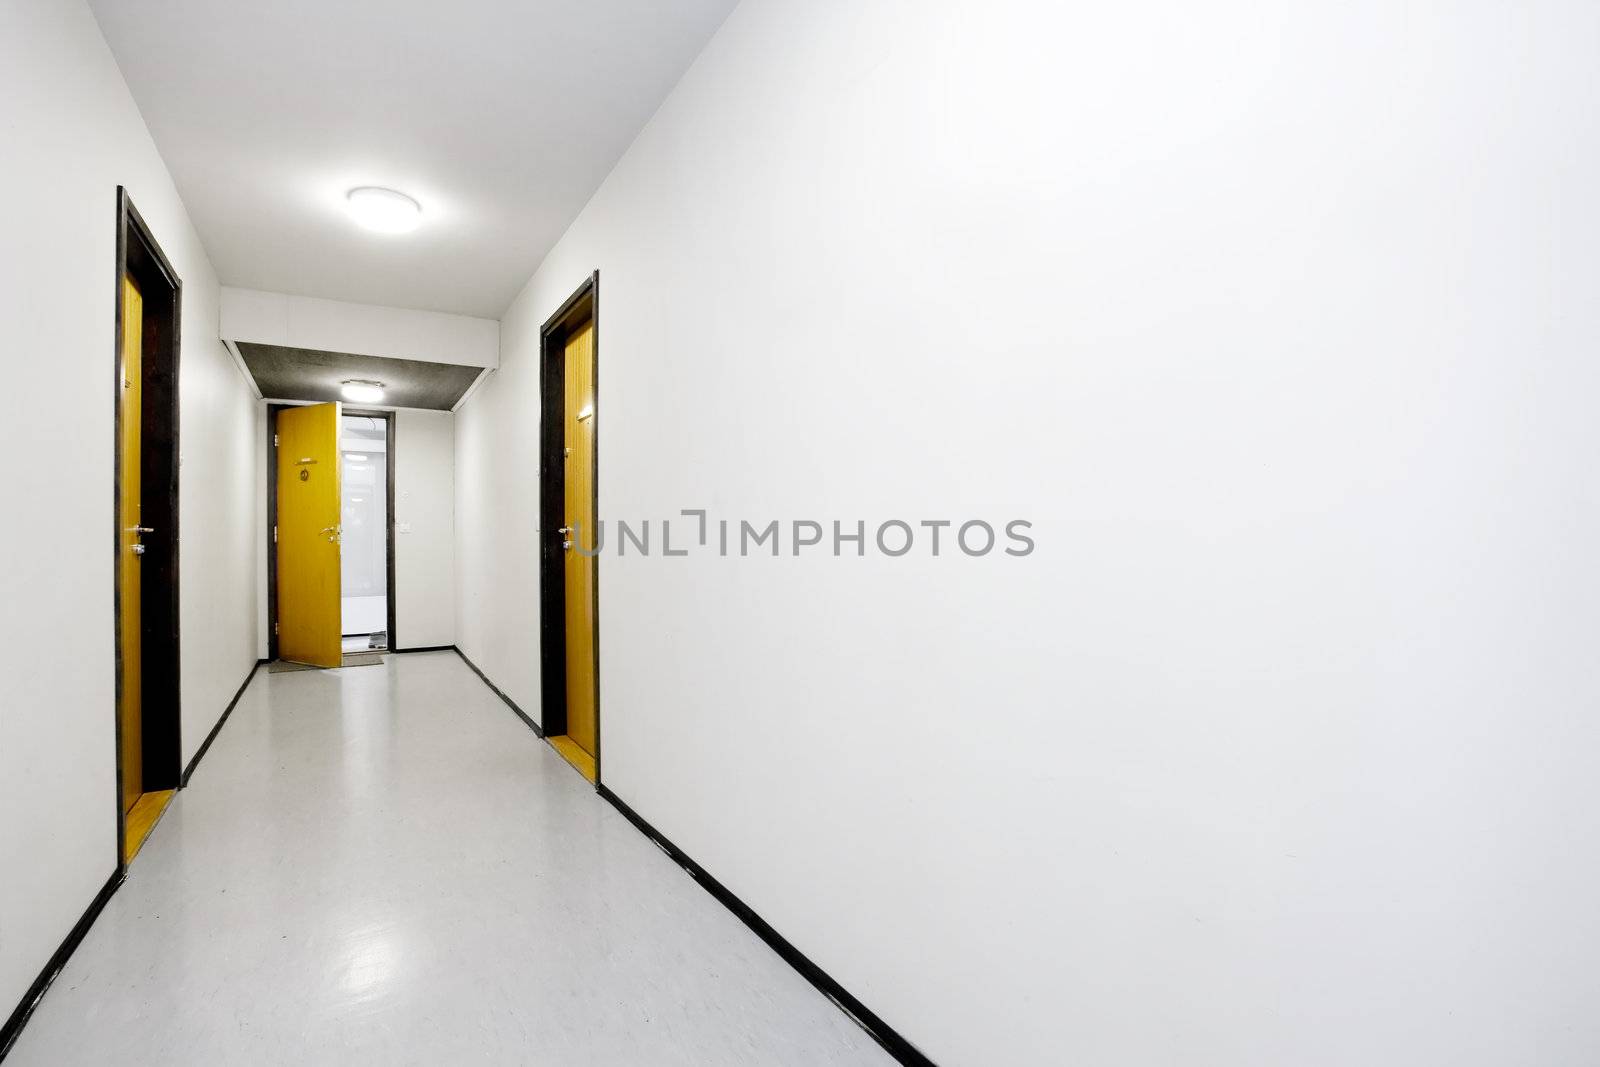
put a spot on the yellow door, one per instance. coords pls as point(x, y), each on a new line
point(129, 551)
point(578, 421)
point(308, 535)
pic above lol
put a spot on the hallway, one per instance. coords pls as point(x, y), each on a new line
point(1059, 534)
point(384, 865)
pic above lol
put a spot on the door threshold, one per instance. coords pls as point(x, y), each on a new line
point(581, 761)
point(141, 819)
point(281, 666)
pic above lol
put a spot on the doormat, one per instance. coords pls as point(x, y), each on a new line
point(279, 666)
point(362, 659)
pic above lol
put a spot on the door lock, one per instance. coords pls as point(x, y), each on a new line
point(137, 550)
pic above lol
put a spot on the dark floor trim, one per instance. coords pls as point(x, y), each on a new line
point(431, 648)
point(898, 1047)
point(30, 1000)
point(188, 772)
point(512, 704)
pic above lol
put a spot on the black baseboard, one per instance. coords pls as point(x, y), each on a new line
point(30, 1000)
point(428, 648)
point(894, 1044)
point(512, 704)
point(188, 772)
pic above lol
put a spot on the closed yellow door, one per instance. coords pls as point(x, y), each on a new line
point(130, 614)
point(579, 511)
point(308, 535)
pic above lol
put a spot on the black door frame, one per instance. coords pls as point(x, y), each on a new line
point(272, 515)
point(582, 307)
point(140, 257)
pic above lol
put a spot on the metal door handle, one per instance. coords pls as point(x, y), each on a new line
point(141, 529)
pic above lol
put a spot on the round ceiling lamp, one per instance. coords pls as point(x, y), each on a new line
point(383, 210)
point(362, 391)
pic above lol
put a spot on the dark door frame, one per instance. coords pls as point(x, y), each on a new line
point(272, 515)
point(579, 309)
point(139, 257)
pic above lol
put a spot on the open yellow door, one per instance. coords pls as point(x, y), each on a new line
point(308, 535)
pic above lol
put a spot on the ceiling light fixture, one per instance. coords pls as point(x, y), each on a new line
point(384, 210)
point(362, 391)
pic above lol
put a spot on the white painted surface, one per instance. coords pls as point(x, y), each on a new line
point(499, 116)
point(363, 614)
point(424, 543)
point(1280, 325)
point(71, 135)
point(364, 528)
point(338, 326)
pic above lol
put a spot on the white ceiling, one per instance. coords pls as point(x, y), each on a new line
point(501, 116)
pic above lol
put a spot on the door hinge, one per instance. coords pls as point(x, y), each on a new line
point(274, 440)
point(274, 533)
point(274, 629)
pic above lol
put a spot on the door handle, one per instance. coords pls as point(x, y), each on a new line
point(332, 532)
point(141, 529)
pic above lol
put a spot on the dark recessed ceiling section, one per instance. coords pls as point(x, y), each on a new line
point(305, 374)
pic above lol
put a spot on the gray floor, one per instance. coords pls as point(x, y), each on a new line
point(384, 866)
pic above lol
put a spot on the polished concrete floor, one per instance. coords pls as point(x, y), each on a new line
point(385, 866)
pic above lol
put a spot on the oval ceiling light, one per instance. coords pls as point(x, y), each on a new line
point(384, 210)
point(361, 391)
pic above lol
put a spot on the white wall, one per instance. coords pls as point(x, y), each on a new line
point(1280, 324)
point(424, 543)
point(340, 326)
point(71, 135)
point(424, 487)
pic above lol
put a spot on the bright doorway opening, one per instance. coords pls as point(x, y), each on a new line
point(365, 571)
